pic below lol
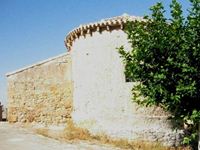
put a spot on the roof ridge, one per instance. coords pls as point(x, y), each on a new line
point(37, 64)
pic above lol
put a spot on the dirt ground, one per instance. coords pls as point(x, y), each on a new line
point(13, 138)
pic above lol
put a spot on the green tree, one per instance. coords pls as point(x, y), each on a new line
point(165, 62)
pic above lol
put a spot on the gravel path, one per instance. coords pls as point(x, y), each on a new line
point(12, 138)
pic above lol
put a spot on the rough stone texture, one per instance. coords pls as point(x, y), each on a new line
point(102, 97)
point(41, 93)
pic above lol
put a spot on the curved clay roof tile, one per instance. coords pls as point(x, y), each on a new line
point(118, 22)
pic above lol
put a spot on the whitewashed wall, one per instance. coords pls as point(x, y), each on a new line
point(102, 98)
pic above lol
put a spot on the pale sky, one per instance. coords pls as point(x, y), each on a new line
point(34, 30)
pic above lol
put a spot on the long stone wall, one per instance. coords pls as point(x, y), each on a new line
point(41, 93)
point(102, 97)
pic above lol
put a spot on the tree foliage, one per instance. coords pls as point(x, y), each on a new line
point(165, 62)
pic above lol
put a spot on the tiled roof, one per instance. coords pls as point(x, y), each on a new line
point(105, 24)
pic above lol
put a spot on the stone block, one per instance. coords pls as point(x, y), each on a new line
point(12, 118)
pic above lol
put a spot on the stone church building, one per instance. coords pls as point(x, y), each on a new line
point(87, 86)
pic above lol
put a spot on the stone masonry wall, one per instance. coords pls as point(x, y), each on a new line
point(41, 93)
point(102, 98)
